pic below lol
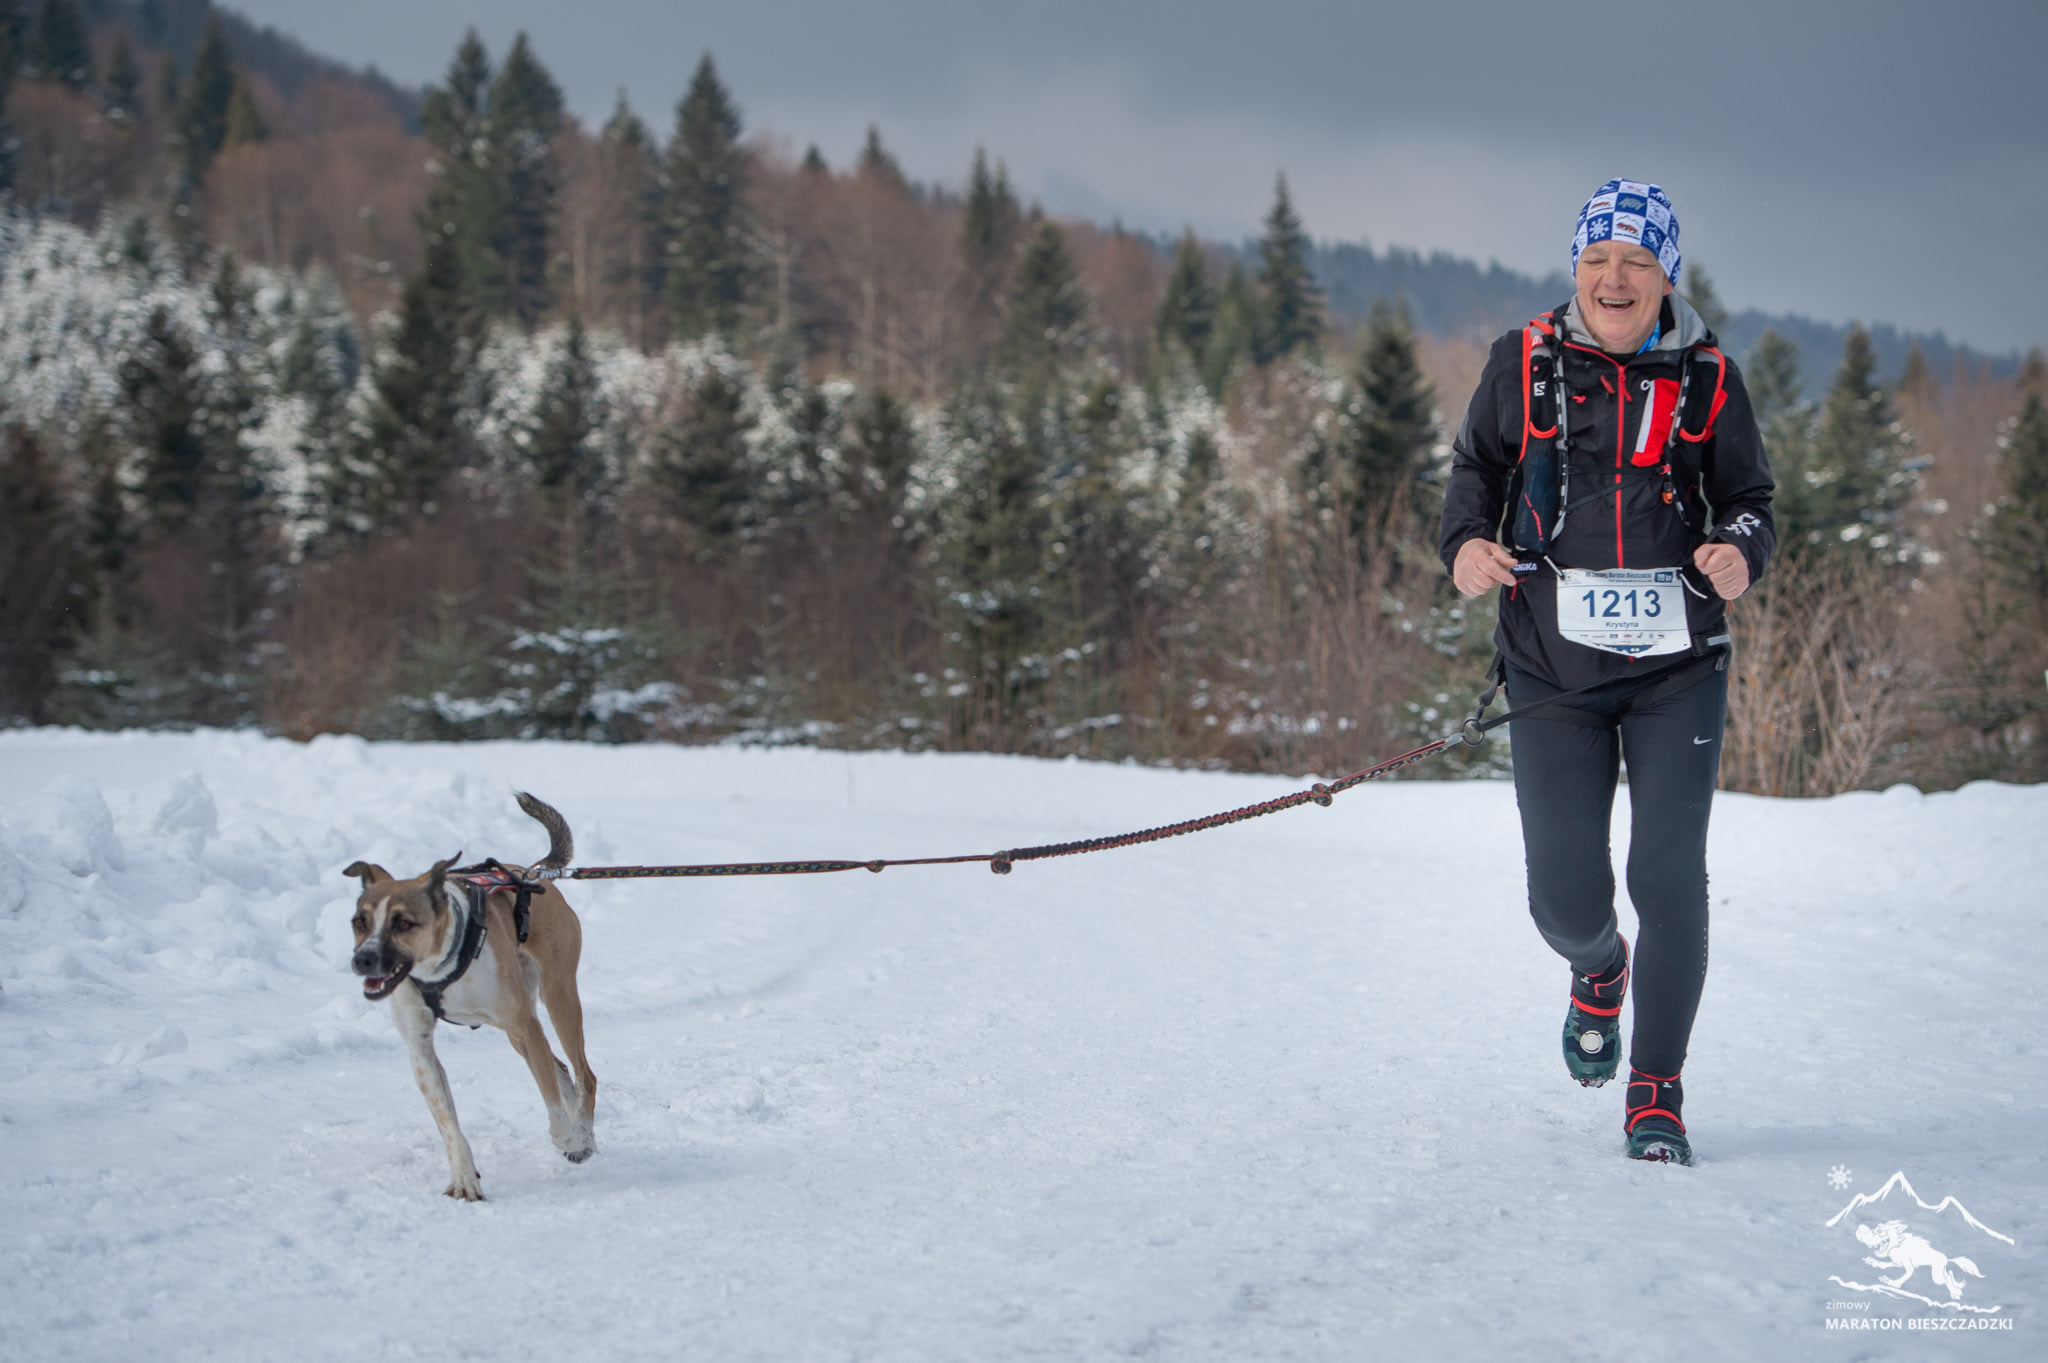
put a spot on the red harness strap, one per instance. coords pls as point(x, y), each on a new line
point(485, 879)
point(1531, 347)
point(1713, 409)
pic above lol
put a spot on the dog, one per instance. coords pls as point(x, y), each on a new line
point(487, 944)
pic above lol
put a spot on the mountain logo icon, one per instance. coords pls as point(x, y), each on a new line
point(1899, 1250)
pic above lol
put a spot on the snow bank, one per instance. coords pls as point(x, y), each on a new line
point(1288, 1089)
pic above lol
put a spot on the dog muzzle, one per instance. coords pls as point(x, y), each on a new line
point(381, 968)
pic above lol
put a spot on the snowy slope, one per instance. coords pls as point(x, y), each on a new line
point(1285, 1090)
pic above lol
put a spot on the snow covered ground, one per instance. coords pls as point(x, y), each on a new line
point(1285, 1090)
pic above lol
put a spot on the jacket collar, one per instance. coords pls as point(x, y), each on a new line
point(1683, 328)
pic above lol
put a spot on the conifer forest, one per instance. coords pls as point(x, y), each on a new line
point(326, 406)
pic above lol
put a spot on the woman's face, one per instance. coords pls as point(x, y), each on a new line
point(1621, 291)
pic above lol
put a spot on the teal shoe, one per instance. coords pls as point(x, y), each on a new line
point(1592, 1025)
point(1655, 1129)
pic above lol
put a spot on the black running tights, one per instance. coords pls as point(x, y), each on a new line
point(1565, 775)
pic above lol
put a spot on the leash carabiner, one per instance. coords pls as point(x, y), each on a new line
point(1474, 731)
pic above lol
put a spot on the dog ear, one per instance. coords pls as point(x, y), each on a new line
point(439, 875)
point(368, 872)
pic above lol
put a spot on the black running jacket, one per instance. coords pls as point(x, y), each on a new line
point(1615, 514)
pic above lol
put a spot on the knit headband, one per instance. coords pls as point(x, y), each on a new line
point(1634, 213)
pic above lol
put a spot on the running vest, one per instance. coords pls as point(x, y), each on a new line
point(1540, 492)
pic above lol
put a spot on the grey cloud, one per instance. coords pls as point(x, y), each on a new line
point(1815, 149)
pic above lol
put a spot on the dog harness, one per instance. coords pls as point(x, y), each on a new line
point(491, 875)
point(478, 883)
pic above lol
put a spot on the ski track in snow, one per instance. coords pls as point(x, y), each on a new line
point(1289, 1089)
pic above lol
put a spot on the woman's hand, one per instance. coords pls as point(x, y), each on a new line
point(1481, 564)
point(1724, 566)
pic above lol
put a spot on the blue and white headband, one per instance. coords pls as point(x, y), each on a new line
point(1632, 212)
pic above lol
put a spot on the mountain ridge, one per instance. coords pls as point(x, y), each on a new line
point(1899, 1180)
point(1452, 295)
point(176, 26)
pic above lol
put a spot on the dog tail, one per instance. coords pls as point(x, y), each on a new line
point(561, 846)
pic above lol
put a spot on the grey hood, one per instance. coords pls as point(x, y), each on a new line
point(1687, 329)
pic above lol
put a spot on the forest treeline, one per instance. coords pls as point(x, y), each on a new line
point(509, 427)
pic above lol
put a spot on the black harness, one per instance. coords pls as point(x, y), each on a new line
point(479, 883)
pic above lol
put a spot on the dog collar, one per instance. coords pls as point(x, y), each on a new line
point(461, 949)
point(468, 945)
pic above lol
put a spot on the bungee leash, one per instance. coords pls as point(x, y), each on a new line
point(1471, 733)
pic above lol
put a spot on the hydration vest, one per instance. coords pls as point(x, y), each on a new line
point(1539, 493)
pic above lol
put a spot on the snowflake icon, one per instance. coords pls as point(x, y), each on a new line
point(1838, 1178)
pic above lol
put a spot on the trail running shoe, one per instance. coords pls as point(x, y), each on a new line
point(1592, 1026)
point(1655, 1131)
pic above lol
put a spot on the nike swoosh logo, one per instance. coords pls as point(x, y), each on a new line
point(1699, 742)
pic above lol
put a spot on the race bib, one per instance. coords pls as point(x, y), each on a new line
point(1633, 611)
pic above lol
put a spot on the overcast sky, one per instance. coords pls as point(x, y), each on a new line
point(1881, 160)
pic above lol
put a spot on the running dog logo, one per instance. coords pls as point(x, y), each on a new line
point(1899, 1248)
point(1895, 1248)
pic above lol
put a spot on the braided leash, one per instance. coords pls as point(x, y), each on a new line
point(1321, 793)
point(1472, 732)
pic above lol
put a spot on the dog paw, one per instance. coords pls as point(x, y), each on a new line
point(578, 1156)
point(466, 1190)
